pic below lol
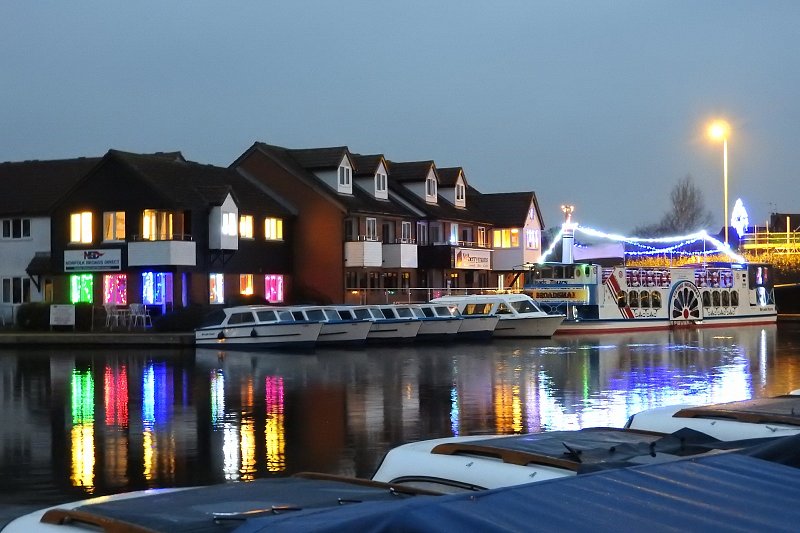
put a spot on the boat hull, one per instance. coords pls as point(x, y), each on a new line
point(393, 330)
point(477, 327)
point(439, 329)
point(575, 327)
point(528, 326)
point(343, 333)
point(260, 336)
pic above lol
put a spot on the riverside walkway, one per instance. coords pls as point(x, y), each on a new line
point(102, 338)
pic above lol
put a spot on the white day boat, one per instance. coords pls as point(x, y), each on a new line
point(386, 324)
point(336, 329)
point(256, 326)
point(601, 299)
point(763, 417)
point(458, 464)
point(518, 313)
point(439, 322)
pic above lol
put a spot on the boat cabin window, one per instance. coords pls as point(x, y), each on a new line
point(726, 298)
point(241, 318)
point(477, 309)
point(633, 299)
point(298, 315)
point(387, 312)
point(427, 312)
point(525, 306)
point(622, 299)
point(315, 314)
point(504, 309)
point(285, 316)
point(706, 298)
point(715, 300)
point(403, 312)
point(442, 310)
point(644, 299)
point(363, 314)
point(655, 300)
point(266, 316)
point(331, 314)
point(735, 298)
point(214, 319)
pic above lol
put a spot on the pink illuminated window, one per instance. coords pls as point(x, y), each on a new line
point(273, 284)
point(115, 289)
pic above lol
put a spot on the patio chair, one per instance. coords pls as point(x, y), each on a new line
point(140, 316)
point(112, 315)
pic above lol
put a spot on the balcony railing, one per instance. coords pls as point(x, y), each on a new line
point(355, 296)
point(780, 241)
point(171, 237)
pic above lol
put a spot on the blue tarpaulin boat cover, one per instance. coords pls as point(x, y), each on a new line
point(726, 492)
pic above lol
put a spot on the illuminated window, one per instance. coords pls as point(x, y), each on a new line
point(273, 229)
point(80, 227)
point(273, 288)
point(506, 238)
point(156, 287)
point(246, 226)
point(453, 233)
point(532, 239)
point(156, 225)
point(246, 284)
point(81, 288)
point(229, 224)
point(114, 226)
point(216, 288)
point(115, 289)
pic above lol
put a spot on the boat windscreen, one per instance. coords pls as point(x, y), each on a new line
point(404, 312)
point(443, 310)
point(285, 316)
point(332, 314)
point(214, 319)
point(363, 314)
point(315, 314)
point(428, 312)
point(525, 306)
point(477, 309)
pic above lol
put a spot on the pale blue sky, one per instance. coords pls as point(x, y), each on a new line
point(599, 104)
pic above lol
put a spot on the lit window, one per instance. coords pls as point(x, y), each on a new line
point(246, 226)
point(115, 289)
point(532, 239)
point(114, 226)
point(81, 288)
point(506, 238)
point(273, 229)
point(216, 288)
point(156, 225)
point(155, 287)
point(246, 284)
point(80, 227)
point(273, 288)
point(229, 224)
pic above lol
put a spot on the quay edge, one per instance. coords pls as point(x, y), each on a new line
point(96, 339)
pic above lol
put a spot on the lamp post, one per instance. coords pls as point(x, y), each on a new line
point(568, 234)
point(720, 129)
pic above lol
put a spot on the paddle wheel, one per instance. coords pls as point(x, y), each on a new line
point(685, 304)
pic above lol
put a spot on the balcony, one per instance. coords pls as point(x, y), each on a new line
point(461, 255)
point(179, 252)
point(363, 253)
point(402, 254)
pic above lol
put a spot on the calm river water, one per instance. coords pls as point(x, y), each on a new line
point(81, 422)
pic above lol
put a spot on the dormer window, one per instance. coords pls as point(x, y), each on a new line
point(380, 183)
point(460, 190)
point(229, 224)
point(345, 175)
point(430, 189)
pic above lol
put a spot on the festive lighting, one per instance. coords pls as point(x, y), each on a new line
point(739, 218)
point(646, 244)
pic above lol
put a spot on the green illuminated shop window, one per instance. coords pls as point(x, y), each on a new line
point(81, 288)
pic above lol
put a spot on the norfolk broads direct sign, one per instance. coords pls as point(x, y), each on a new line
point(92, 260)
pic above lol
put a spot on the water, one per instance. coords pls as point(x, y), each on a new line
point(83, 422)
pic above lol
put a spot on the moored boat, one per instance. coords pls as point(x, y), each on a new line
point(623, 298)
point(256, 326)
point(439, 322)
point(518, 314)
point(337, 329)
point(386, 324)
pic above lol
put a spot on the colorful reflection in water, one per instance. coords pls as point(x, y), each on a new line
point(206, 416)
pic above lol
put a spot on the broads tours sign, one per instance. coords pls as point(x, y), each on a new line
point(92, 260)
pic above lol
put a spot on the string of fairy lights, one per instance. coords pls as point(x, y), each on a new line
point(646, 246)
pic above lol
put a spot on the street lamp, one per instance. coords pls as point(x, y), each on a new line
point(720, 129)
point(567, 209)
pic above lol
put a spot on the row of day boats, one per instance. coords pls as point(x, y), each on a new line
point(472, 317)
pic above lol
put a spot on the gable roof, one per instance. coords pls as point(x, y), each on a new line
point(408, 171)
point(449, 176)
point(40, 183)
point(367, 165)
point(506, 209)
point(320, 158)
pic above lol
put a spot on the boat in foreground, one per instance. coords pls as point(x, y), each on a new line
point(338, 329)
point(387, 324)
point(256, 326)
point(518, 314)
point(601, 299)
point(439, 322)
point(762, 417)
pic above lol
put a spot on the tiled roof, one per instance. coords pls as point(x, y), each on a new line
point(366, 165)
point(195, 185)
point(408, 171)
point(442, 210)
point(505, 209)
point(40, 183)
point(448, 176)
point(319, 158)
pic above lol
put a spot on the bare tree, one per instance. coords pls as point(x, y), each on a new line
point(688, 212)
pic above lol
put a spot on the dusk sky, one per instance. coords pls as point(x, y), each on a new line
point(599, 104)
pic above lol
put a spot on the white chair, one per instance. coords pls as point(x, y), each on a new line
point(112, 315)
point(140, 316)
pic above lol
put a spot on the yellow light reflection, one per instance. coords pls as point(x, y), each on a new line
point(82, 439)
point(274, 431)
point(247, 446)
